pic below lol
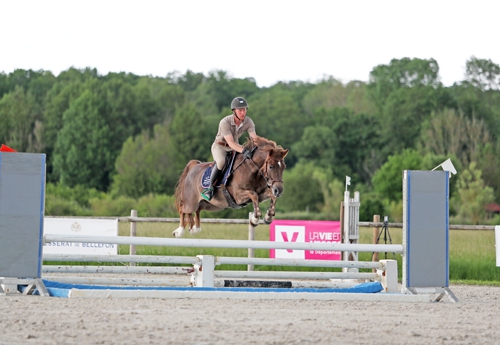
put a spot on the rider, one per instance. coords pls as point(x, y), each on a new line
point(230, 130)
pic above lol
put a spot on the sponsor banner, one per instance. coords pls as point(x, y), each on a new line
point(305, 231)
point(83, 227)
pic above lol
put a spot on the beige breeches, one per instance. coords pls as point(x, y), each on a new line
point(219, 153)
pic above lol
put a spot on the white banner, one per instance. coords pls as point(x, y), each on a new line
point(84, 227)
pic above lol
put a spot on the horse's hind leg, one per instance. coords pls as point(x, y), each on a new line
point(196, 229)
point(179, 232)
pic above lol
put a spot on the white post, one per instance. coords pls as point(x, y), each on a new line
point(251, 237)
point(133, 233)
point(389, 276)
point(204, 271)
point(351, 227)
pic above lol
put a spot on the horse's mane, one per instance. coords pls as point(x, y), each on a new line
point(262, 143)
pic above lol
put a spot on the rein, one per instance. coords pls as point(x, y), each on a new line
point(269, 181)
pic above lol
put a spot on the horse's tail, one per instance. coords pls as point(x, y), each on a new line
point(179, 188)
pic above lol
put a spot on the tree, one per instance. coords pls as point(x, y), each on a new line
point(482, 73)
point(18, 121)
point(57, 101)
point(473, 195)
point(302, 193)
point(489, 164)
point(77, 75)
point(449, 133)
point(187, 132)
point(4, 84)
point(279, 118)
point(223, 88)
point(331, 93)
point(404, 112)
point(40, 83)
point(388, 180)
point(340, 140)
point(474, 102)
point(327, 94)
point(358, 100)
point(145, 165)
point(188, 82)
point(118, 112)
point(332, 190)
point(401, 73)
point(156, 101)
point(83, 152)
point(318, 144)
point(215, 93)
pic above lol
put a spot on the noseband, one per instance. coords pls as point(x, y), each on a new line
point(270, 181)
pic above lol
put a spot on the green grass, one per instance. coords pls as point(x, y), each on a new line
point(472, 253)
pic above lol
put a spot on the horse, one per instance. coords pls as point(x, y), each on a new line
point(251, 180)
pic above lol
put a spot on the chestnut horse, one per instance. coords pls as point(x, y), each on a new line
point(252, 180)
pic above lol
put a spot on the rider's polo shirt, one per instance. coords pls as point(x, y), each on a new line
point(227, 126)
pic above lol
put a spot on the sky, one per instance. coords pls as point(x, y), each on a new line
point(270, 41)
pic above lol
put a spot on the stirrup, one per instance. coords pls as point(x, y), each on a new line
point(207, 193)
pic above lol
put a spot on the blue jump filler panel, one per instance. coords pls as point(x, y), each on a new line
point(22, 208)
point(425, 228)
point(57, 289)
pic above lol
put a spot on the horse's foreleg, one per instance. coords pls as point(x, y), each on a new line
point(268, 218)
point(196, 227)
point(254, 220)
point(179, 232)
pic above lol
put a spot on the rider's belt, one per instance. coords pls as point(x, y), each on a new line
point(221, 143)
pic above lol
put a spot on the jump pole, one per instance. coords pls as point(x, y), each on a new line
point(207, 243)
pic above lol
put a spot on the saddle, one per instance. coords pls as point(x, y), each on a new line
point(226, 171)
point(222, 182)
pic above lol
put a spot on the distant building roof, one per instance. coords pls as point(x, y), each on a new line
point(493, 208)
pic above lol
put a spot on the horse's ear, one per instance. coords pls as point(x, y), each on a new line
point(284, 153)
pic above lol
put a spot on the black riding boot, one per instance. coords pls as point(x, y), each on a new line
point(208, 193)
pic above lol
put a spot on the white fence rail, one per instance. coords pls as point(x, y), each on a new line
point(206, 243)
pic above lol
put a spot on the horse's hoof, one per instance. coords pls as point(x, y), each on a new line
point(179, 232)
point(268, 220)
point(254, 221)
point(194, 230)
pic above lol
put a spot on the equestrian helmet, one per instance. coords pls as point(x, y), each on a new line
point(239, 102)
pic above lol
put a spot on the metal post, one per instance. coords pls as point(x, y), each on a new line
point(133, 233)
point(376, 219)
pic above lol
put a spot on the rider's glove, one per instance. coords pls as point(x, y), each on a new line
point(247, 153)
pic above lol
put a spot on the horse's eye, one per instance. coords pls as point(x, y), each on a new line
point(271, 166)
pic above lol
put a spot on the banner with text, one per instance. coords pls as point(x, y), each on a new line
point(305, 231)
point(83, 227)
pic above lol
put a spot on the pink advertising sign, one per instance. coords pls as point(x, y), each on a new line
point(305, 231)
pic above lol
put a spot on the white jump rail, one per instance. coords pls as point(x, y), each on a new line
point(219, 261)
point(204, 273)
point(155, 270)
point(204, 243)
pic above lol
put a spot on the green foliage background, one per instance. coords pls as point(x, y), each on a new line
point(119, 141)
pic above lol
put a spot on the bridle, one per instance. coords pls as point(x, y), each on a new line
point(263, 171)
point(270, 181)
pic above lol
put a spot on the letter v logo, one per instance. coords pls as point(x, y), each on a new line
point(285, 238)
